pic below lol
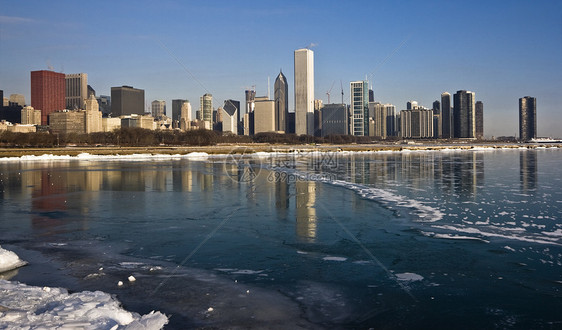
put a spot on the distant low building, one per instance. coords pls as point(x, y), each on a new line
point(16, 128)
point(144, 121)
point(78, 122)
point(30, 116)
point(110, 124)
point(67, 122)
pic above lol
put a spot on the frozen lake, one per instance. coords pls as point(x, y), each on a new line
point(463, 239)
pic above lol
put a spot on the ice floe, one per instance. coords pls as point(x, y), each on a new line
point(409, 277)
point(9, 260)
point(25, 307)
point(334, 258)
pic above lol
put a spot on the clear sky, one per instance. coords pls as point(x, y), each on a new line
point(410, 50)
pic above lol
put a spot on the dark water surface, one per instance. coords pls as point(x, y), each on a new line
point(463, 239)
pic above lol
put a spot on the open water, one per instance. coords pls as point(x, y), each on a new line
point(432, 239)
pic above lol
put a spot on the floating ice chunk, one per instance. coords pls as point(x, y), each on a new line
point(9, 260)
point(409, 277)
point(120, 283)
point(131, 278)
point(246, 272)
point(334, 258)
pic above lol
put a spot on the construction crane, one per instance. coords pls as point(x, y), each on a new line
point(328, 92)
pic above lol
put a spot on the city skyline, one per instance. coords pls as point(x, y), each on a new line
point(401, 64)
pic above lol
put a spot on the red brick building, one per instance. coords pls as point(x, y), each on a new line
point(48, 90)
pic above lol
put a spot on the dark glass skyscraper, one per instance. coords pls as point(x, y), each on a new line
point(281, 94)
point(464, 115)
point(479, 119)
point(126, 100)
point(446, 116)
point(527, 118)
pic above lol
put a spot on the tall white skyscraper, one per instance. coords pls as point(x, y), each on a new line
point(304, 91)
point(359, 108)
point(76, 90)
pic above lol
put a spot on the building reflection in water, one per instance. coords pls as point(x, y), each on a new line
point(282, 198)
point(528, 170)
point(305, 201)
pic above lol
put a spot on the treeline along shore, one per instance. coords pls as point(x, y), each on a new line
point(126, 141)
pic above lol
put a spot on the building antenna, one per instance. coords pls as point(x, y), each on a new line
point(268, 88)
point(341, 85)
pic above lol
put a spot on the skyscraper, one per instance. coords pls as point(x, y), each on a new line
point(416, 123)
point(281, 95)
point(334, 119)
point(377, 112)
point(304, 91)
point(464, 118)
point(479, 119)
point(158, 109)
point(231, 110)
point(176, 108)
point(76, 90)
point(446, 116)
point(207, 108)
point(437, 125)
point(126, 100)
point(17, 99)
point(391, 125)
point(47, 92)
point(411, 105)
point(359, 108)
point(185, 115)
point(264, 115)
point(527, 118)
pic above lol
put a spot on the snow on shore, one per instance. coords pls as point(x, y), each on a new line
point(91, 157)
point(202, 156)
point(25, 307)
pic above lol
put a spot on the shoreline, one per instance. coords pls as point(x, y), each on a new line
point(223, 149)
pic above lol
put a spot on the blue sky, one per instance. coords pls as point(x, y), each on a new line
point(410, 50)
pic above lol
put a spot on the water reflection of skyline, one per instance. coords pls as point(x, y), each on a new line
point(459, 173)
point(48, 186)
point(528, 165)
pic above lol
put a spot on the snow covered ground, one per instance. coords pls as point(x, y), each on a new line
point(24, 307)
